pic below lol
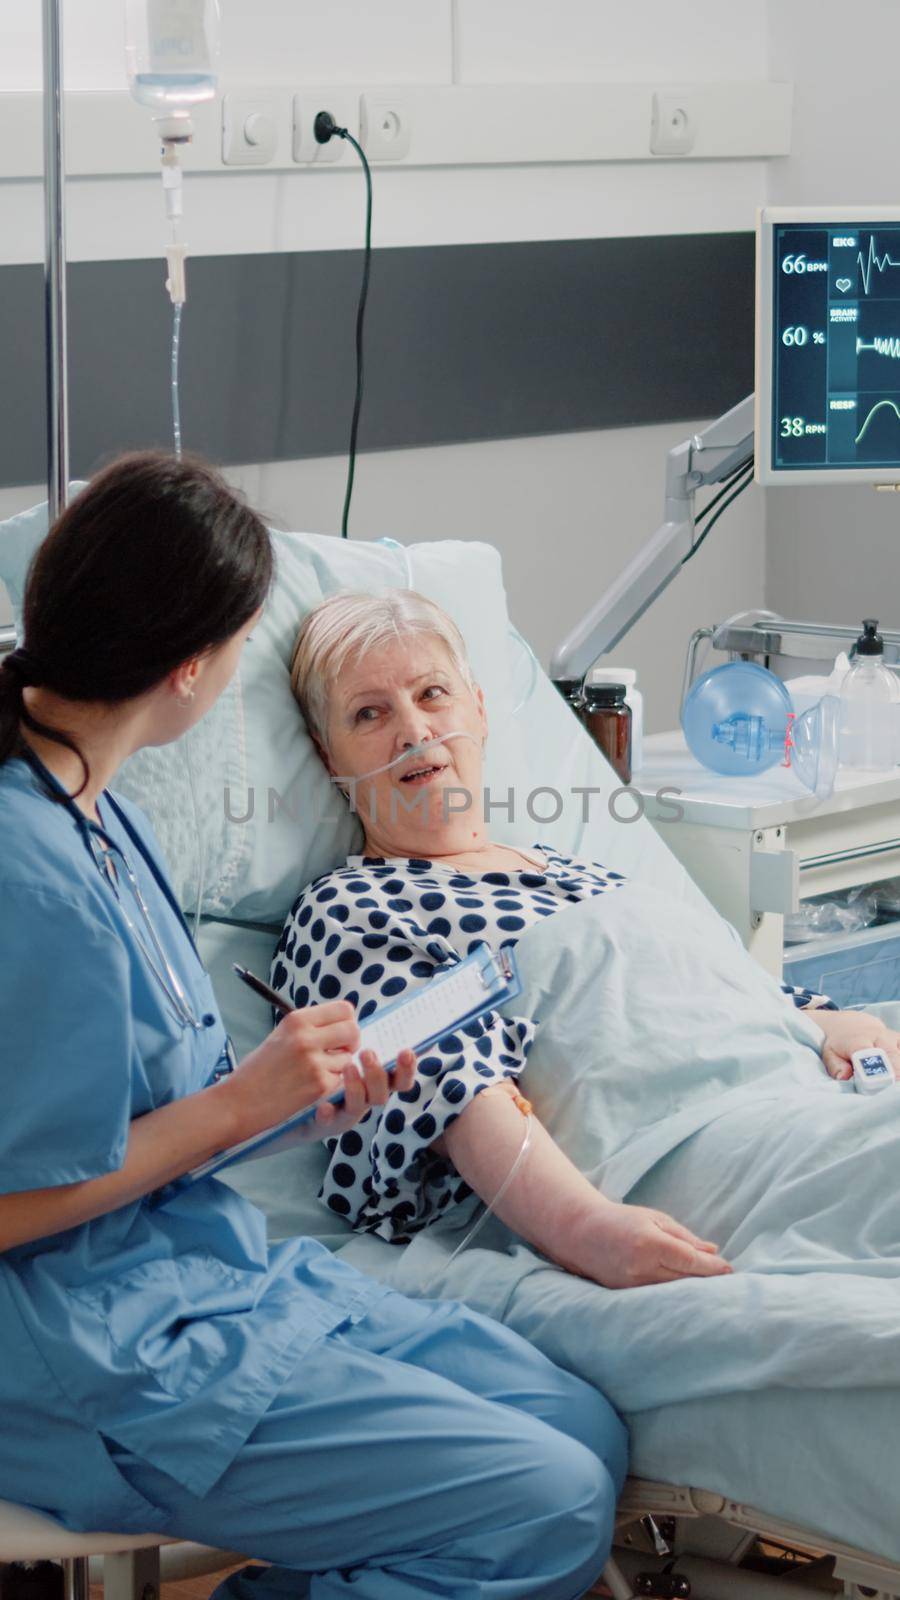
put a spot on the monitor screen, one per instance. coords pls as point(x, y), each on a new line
point(828, 346)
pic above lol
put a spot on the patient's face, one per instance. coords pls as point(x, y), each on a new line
point(386, 701)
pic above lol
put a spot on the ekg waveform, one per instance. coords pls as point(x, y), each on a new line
point(882, 344)
point(877, 407)
point(873, 262)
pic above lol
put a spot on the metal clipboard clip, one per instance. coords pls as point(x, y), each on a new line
point(494, 961)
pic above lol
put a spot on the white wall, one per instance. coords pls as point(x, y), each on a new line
point(834, 553)
point(566, 511)
point(299, 42)
point(566, 514)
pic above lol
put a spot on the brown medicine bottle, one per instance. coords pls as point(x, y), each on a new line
point(571, 690)
point(608, 720)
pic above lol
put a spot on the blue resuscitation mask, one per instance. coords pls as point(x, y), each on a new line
point(739, 720)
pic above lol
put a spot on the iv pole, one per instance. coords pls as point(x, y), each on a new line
point(55, 261)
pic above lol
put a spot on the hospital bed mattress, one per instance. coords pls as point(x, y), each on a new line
point(779, 1387)
point(822, 1459)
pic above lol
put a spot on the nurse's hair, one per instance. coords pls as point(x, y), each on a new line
point(346, 627)
point(155, 562)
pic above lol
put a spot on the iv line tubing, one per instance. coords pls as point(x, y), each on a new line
point(492, 1206)
point(176, 396)
point(414, 750)
point(534, 666)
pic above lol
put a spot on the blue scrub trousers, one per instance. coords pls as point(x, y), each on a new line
point(424, 1450)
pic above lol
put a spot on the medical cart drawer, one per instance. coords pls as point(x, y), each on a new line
point(853, 969)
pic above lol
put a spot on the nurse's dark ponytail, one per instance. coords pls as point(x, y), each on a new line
point(156, 561)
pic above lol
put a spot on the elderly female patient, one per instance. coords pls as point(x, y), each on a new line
point(377, 677)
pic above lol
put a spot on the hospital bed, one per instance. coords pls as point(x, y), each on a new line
point(714, 1480)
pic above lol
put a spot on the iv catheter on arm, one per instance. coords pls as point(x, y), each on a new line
point(723, 451)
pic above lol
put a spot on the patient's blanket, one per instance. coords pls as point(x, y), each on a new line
point(675, 1073)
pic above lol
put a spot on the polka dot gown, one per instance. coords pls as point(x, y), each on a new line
point(375, 930)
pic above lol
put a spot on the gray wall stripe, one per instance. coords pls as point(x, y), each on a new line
point(463, 342)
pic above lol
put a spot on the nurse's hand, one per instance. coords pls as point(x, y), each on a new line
point(308, 1056)
point(302, 1060)
point(371, 1088)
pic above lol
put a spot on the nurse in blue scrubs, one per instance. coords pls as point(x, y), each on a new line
point(161, 1367)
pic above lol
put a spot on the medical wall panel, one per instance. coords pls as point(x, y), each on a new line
point(463, 343)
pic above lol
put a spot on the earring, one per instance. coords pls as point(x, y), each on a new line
point(185, 699)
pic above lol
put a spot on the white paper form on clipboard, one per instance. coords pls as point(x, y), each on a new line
point(448, 1001)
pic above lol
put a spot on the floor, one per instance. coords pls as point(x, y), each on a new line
point(201, 1588)
point(187, 1589)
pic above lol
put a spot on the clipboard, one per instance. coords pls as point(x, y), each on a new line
point(450, 999)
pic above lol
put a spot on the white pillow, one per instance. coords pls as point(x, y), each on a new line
point(270, 819)
point(19, 538)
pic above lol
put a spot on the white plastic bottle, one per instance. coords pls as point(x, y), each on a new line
point(633, 698)
point(171, 50)
point(870, 707)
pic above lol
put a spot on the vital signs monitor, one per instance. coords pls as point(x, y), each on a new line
point(828, 346)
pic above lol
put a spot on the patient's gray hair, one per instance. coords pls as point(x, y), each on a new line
point(346, 626)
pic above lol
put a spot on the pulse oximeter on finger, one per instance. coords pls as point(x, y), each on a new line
point(871, 1071)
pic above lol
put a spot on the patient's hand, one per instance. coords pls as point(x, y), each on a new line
point(846, 1031)
point(552, 1205)
point(626, 1247)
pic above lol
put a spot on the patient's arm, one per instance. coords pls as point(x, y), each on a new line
point(553, 1206)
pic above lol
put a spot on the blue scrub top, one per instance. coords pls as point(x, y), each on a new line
point(169, 1325)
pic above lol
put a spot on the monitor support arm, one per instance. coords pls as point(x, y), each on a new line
point(700, 461)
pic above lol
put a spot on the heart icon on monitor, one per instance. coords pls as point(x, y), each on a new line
point(843, 284)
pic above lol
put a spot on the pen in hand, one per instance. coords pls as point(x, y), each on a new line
point(376, 1089)
point(263, 990)
point(276, 1000)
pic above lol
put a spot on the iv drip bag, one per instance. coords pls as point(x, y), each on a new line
point(738, 719)
point(171, 53)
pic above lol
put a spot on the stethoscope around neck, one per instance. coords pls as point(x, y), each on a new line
point(116, 870)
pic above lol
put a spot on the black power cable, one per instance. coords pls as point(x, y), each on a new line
point(326, 128)
point(726, 485)
point(739, 483)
